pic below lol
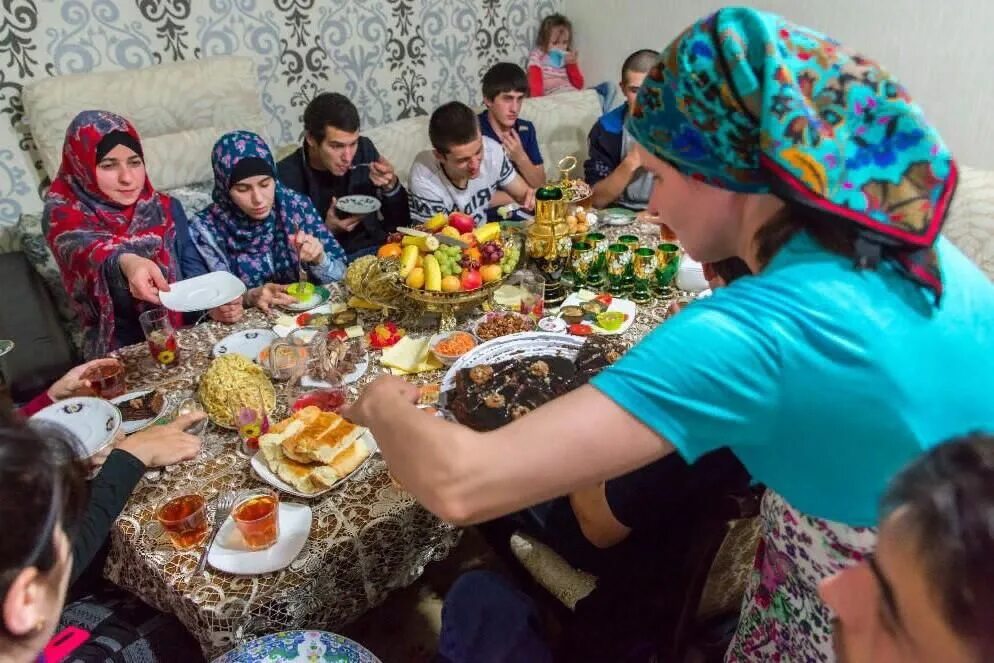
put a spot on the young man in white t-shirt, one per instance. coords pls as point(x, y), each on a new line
point(464, 171)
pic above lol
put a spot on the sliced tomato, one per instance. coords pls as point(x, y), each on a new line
point(580, 329)
point(304, 319)
point(604, 299)
point(339, 334)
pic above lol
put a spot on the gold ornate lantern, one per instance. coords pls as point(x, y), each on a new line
point(548, 243)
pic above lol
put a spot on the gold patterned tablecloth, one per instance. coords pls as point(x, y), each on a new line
point(367, 538)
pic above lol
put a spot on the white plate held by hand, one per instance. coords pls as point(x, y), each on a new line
point(248, 343)
point(358, 204)
point(202, 293)
point(229, 553)
point(93, 421)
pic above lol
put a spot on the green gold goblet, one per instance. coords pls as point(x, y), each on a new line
point(619, 259)
point(582, 262)
point(633, 243)
point(667, 261)
point(644, 270)
point(599, 242)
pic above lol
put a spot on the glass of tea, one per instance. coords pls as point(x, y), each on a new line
point(107, 381)
point(532, 293)
point(257, 517)
point(161, 337)
point(184, 519)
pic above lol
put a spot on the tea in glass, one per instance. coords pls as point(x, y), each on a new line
point(257, 517)
point(161, 337)
point(107, 381)
point(184, 519)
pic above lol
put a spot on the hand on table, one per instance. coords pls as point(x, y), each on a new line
point(345, 224)
point(308, 247)
point(159, 446)
point(145, 279)
point(382, 174)
point(229, 313)
point(73, 382)
point(385, 389)
point(266, 296)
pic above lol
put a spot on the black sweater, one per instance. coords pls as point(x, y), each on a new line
point(321, 186)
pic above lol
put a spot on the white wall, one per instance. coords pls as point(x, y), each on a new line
point(941, 51)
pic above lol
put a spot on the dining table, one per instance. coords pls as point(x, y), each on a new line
point(368, 537)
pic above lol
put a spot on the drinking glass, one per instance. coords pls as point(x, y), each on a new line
point(257, 517)
point(619, 257)
point(184, 519)
point(190, 406)
point(582, 262)
point(161, 337)
point(107, 381)
point(532, 293)
point(599, 241)
point(667, 262)
point(633, 243)
point(248, 412)
point(644, 271)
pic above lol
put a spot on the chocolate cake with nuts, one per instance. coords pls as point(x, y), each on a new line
point(488, 396)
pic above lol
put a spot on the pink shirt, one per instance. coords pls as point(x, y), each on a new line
point(554, 79)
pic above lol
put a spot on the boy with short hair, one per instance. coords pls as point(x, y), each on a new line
point(613, 169)
point(464, 170)
point(335, 161)
point(505, 87)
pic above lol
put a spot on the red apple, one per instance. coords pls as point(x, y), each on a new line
point(470, 279)
point(464, 223)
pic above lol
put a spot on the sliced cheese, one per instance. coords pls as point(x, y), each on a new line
point(355, 331)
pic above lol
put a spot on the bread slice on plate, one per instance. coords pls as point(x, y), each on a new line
point(350, 458)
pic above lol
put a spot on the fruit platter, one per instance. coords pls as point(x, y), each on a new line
point(449, 264)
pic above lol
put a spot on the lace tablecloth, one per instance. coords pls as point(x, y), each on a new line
point(367, 539)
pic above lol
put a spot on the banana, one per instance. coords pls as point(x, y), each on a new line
point(487, 232)
point(426, 243)
point(408, 260)
point(437, 222)
point(433, 274)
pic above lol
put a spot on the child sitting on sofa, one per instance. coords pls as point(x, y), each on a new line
point(552, 64)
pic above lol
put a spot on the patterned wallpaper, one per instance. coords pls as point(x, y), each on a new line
point(394, 58)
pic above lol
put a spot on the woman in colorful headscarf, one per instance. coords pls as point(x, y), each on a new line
point(863, 338)
point(116, 240)
point(258, 229)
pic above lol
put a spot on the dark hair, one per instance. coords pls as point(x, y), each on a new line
point(452, 124)
point(330, 109)
point(549, 23)
point(730, 269)
point(832, 234)
point(504, 77)
point(640, 62)
point(38, 464)
point(947, 495)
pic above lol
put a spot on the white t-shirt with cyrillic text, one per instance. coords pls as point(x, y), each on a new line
point(431, 191)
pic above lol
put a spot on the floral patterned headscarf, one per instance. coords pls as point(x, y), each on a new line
point(746, 101)
point(86, 230)
point(257, 252)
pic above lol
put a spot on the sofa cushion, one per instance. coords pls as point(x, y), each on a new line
point(970, 225)
point(400, 142)
point(179, 109)
point(562, 122)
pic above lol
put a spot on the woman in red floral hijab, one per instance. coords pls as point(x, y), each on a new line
point(117, 241)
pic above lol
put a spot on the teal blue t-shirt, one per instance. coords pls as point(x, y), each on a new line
point(823, 379)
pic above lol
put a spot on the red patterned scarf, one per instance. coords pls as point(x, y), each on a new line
point(85, 229)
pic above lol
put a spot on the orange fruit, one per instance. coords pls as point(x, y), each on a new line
point(450, 284)
point(391, 250)
point(491, 273)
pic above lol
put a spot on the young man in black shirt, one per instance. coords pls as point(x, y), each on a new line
point(335, 161)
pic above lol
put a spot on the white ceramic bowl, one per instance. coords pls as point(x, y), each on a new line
point(448, 360)
point(690, 275)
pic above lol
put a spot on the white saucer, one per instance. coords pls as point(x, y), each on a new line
point(130, 427)
point(230, 555)
point(248, 343)
point(360, 369)
point(93, 421)
point(358, 204)
point(202, 293)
